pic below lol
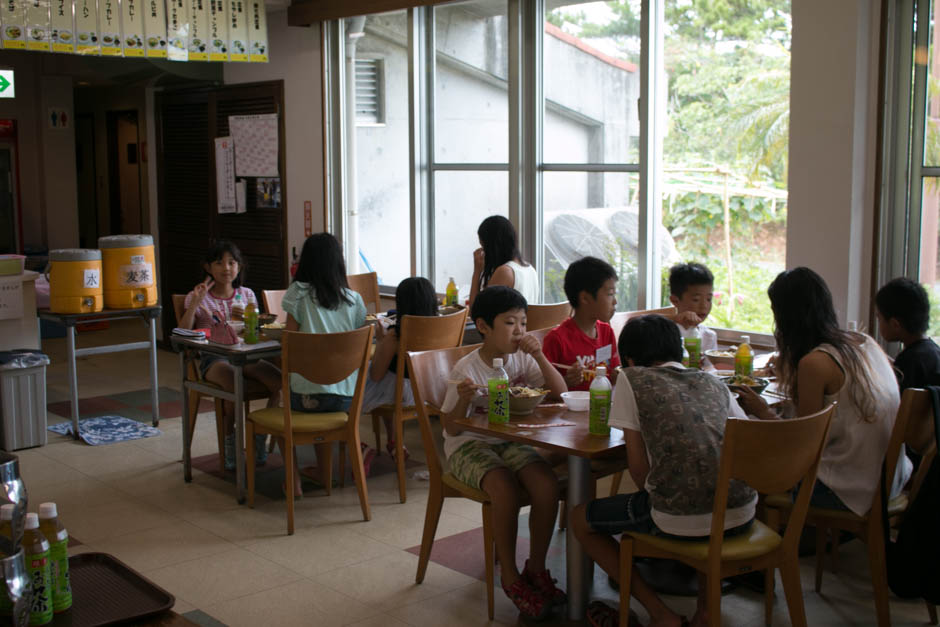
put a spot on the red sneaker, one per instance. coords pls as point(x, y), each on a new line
point(545, 585)
point(368, 454)
point(530, 603)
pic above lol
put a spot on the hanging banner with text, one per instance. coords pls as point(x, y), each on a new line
point(179, 30)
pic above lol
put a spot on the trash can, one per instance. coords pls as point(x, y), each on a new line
point(23, 398)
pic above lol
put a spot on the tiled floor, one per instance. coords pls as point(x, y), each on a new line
point(228, 564)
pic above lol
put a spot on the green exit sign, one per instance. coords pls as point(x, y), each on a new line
point(7, 88)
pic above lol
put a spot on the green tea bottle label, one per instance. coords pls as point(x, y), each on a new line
point(599, 412)
point(40, 576)
point(61, 584)
point(499, 401)
point(694, 346)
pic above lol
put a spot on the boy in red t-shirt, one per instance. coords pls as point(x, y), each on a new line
point(585, 340)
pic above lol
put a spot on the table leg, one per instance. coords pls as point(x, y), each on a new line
point(187, 440)
point(73, 376)
point(578, 562)
point(240, 432)
point(154, 399)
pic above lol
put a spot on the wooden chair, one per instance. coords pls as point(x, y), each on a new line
point(620, 319)
point(304, 353)
point(272, 303)
point(254, 390)
point(914, 420)
point(428, 373)
point(547, 316)
point(418, 333)
point(368, 287)
point(771, 457)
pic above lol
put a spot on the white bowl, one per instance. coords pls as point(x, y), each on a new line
point(577, 401)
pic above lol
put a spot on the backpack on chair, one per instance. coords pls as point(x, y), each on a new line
point(913, 560)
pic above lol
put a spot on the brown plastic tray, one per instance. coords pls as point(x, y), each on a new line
point(106, 591)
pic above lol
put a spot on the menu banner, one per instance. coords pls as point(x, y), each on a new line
point(177, 30)
point(13, 18)
point(110, 20)
point(238, 30)
point(132, 26)
point(199, 30)
point(63, 26)
point(218, 30)
point(155, 29)
point(86, 25)
point(38, 30)
point(258, 31)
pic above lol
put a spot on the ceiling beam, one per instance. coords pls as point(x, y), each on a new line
point(312, 11)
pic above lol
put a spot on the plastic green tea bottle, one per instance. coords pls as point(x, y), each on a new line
point(36, 548)
point(251, 324)
point(498, 385)
point(693, 344)
point(599, 393)
point(58, 538)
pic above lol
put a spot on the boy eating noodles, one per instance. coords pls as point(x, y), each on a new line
point(690, 290)
point(903, 312)
point(504, 469)
point(673, 421)
point(586, 339)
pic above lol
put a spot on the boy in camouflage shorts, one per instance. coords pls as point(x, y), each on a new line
point(504, 469)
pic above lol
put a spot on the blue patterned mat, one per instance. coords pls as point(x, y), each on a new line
point(107, 430)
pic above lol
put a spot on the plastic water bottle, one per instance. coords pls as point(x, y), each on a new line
point(450, 294)
point(693, 344)
point(251, 324)
point(744, 358)
point(599, 393)
point(498, 385)
point(238, 307)
point(36, 548)
point(58, 538)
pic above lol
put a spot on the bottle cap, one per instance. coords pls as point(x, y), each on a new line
point(48, 510)
point(6, 511)
point(498, 363)
point(746, 339)
point(853, 325)
point(601, 371)
point(451, 279)
point(32, 521)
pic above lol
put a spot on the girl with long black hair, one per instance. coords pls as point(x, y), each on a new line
point(499, 262)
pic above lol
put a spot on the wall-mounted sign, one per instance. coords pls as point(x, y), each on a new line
point(38, 30)
point(132, 27)
point(7, 86)
point(63, 26)
point(13, 19)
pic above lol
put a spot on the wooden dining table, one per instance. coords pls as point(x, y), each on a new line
point(569, 436)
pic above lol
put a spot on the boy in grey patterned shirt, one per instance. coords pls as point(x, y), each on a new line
point(673, 420)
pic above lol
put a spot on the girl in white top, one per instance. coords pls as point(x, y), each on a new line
point(499, 262)
point(820, 363)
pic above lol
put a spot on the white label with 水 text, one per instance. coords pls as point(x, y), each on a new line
point(136, 275)
point(92, 278)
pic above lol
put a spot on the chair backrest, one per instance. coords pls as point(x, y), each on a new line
point(540, 334)
point(547, 316)
point(424, 333)
point(179, 306)
point(913, 427)
point(771, 456)
point(368, 287)
point(327, 358)
point(272, 303)
point(428, 371)
point(620, 319)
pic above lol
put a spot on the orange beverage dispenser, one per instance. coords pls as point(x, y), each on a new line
point(75, 281)
point(128, 262)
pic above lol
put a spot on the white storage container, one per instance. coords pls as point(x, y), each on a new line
point(23, 401)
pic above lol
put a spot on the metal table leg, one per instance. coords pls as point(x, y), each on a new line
point(154, 400)
point(73, 376)
point(578, 562)
point(240, 431)
point(187, 439)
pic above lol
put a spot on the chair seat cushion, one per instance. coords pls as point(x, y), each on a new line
point(758, 540)
point(897, 505)
point(306, 422)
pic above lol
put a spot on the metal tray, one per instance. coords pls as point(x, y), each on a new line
point(105, 591)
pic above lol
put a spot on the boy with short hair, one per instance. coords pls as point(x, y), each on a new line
point(586, 340)
point(691, 286)
point(903, 311)
point(673, 420)
point(504, 469)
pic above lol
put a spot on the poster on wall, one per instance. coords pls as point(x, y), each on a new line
point(155, 29)
point(218, 30)
point(38, 30)
point(177, 30)
point(13, 18)
point(110, 19)
point(256, 144)
point(238, 31)
point(86, 26)
point(132, 26)
point(199, 30)
point(258, 31)
point(63, 26)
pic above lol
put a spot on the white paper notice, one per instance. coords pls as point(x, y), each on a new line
point(109, 18)
point(238, 30)
point(258, 31)
point(199, 30)
point(11, 297)
point(177, 30)
point(14, 24)
point(155, 29)
point(256, 141)
point(225, 175)
point(86, 25)
point(240, 203)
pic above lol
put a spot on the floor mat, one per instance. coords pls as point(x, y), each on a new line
point(107, 430)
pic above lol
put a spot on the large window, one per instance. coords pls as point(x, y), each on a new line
point(537, 115)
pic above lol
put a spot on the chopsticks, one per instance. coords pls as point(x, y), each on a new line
point(570, 366)
point(476, 385)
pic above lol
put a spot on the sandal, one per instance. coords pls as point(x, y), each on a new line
point(368, 454)
point(602, 615)
point(390, 447)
